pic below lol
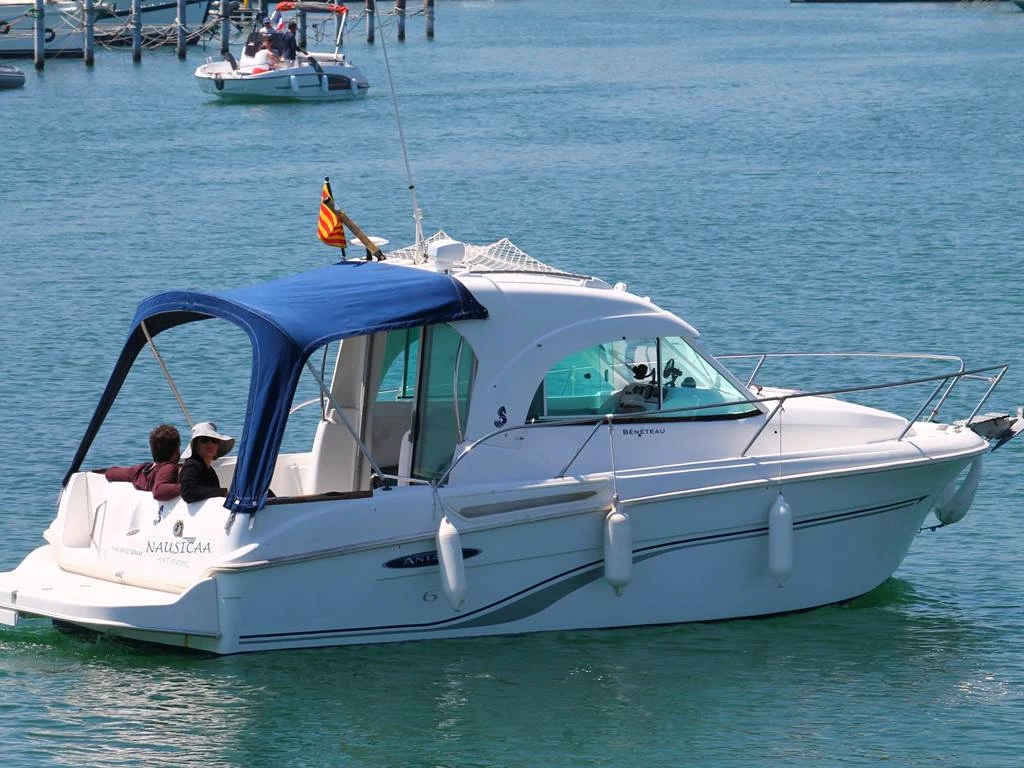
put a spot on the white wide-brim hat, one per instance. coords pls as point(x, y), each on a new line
point(209, 429)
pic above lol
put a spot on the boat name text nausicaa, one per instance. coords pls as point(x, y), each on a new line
point(183, 547)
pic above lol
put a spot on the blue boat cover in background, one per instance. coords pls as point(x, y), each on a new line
point(287, 320)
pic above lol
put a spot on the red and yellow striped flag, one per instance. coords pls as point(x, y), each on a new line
point(329, 227)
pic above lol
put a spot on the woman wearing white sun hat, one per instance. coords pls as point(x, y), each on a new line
point(198, 478)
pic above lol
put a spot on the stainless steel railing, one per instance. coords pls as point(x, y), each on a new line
point(946, 381)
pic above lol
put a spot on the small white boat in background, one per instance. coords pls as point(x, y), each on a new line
point(502, 447)
point(11, 77)
point(311, 77)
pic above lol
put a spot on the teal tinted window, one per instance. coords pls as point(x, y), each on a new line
point(661, 378)
point(401, 360)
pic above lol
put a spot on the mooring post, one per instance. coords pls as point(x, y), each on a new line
point(428, 10)
point(400, 10)
point(136, 31)
point(182, 30)
point(302, 30)
point(88, 47)
point(371, 11)
point(226, 7)
point(39, 27)
point(264, 8)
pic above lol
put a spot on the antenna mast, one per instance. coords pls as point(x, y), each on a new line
point(417, 214)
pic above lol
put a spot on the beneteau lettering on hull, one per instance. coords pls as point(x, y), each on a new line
point(503, 447)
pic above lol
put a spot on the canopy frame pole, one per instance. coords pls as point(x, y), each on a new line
point(351, 430)
point(372, 249)
point(341, 31)
point(167, 374)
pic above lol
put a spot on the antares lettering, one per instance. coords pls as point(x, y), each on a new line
point(424, 559)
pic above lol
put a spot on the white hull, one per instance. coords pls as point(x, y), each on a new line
point(496, 454)
point(61, 40)
point(698, 554)
point(337, 80)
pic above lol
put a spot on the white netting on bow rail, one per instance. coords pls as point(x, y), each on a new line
point(500, 256)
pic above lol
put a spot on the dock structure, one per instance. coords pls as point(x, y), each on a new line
point(50, 34)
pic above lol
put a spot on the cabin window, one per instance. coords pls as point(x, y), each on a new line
point(442, 408)
point(653, 377)
point(401, 364)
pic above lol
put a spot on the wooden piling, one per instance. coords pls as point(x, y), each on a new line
point(226, 7)
point(371, 12)
point(88, 45)
point(428, 10)
point(182, 31)
point(136, 31)
point(302, 29)
point(400, 8)
point(39, 27)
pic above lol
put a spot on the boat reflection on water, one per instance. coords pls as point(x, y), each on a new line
point(665, 685)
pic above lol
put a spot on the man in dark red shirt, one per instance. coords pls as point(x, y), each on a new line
point(159, 475)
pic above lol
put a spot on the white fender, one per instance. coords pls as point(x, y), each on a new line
point(294, 82)
point(618, 548)
point(952, 504)
point(780, 539)
point(449, 558)
point(323, 83)
point(353, 85)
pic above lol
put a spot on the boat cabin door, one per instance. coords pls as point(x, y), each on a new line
point(406, 394)
point(447, 368)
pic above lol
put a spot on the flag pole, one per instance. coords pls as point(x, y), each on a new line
point(371, 247)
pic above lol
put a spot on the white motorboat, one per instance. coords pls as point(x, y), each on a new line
point(11, 77)
point(64, 24)
point(502, 448)
point(311, 77)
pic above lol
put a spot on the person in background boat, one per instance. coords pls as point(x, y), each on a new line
point(160, 476)
point(198, 478)
point(252, 43)
point(265, 56)
point(290, 45)
point(276, 36)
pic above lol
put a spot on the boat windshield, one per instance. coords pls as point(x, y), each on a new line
point(661, 378)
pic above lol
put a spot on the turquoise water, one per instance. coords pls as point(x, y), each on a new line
point(786, 177)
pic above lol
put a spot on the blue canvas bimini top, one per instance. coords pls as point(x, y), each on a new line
point(286, 321)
